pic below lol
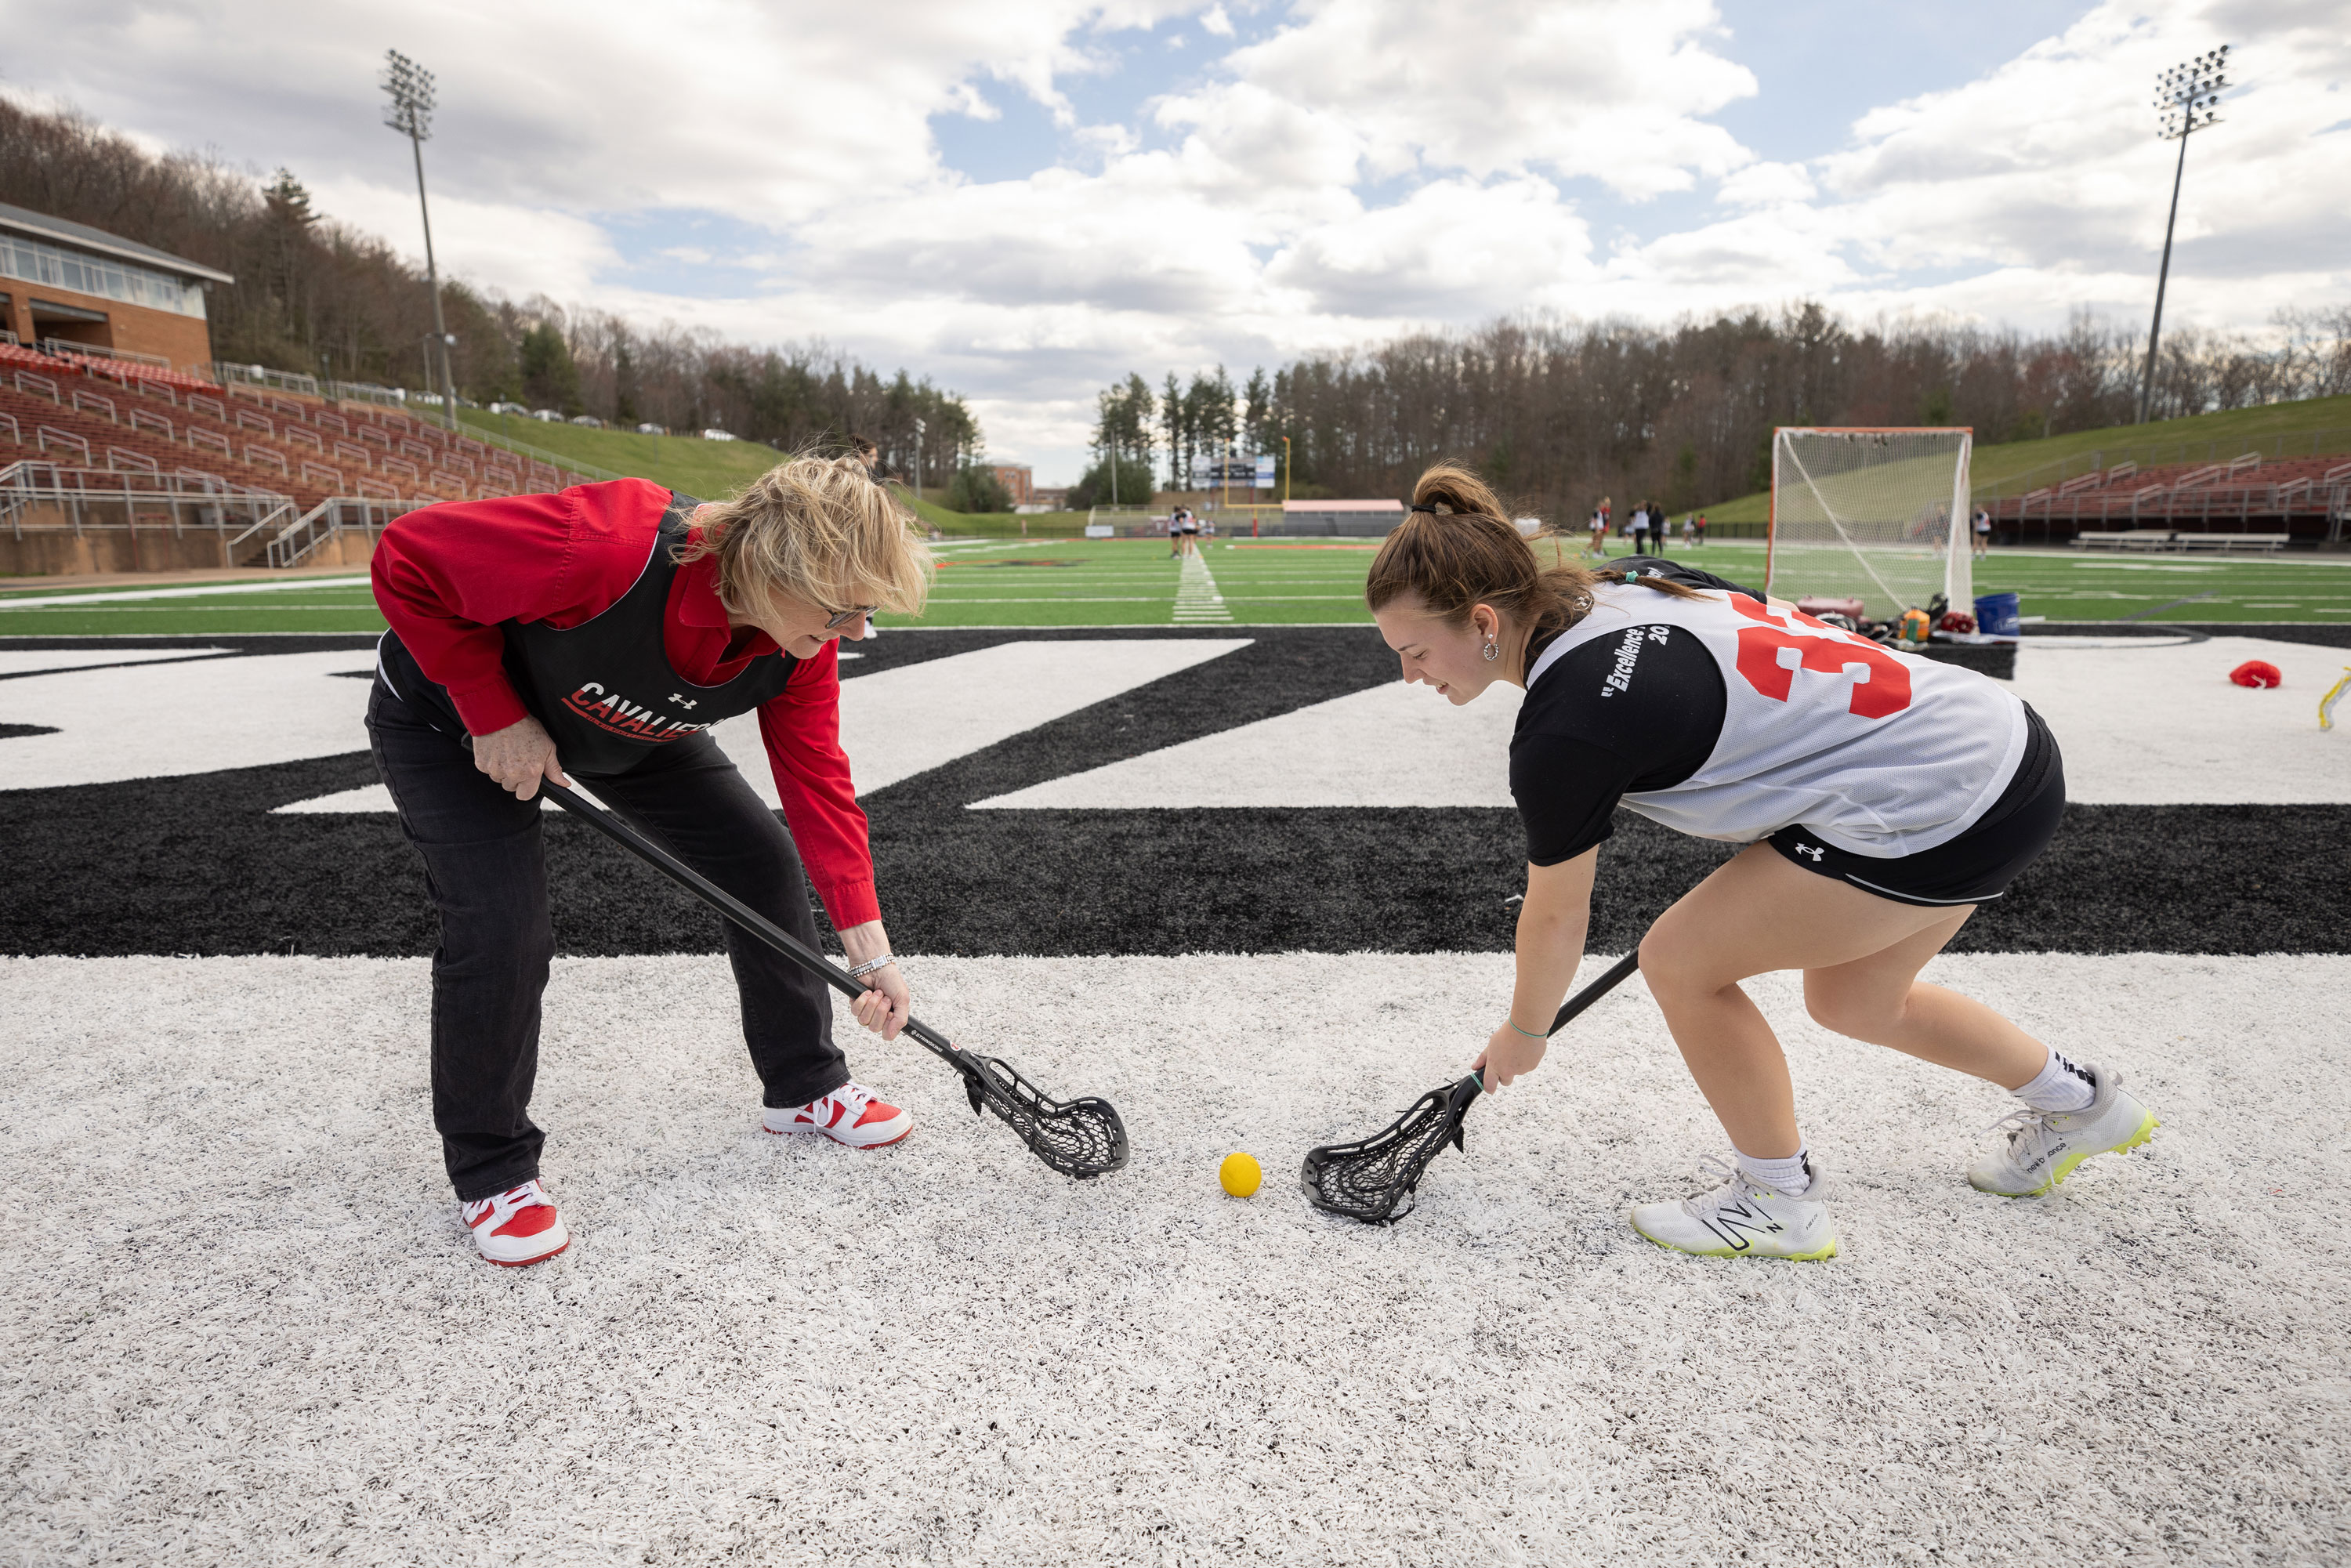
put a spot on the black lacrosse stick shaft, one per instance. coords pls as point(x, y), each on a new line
point(1610, 978)
point(981, 1084)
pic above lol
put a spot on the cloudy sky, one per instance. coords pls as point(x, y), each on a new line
point(1026, 198)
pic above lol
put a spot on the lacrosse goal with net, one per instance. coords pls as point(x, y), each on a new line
point(1877, 515)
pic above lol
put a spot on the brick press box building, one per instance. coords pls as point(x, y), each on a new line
point(80, 288)
point(1018, 481)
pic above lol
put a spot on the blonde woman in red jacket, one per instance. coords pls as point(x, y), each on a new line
point(601, 632)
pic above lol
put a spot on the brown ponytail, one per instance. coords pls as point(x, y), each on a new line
point(1457, 549)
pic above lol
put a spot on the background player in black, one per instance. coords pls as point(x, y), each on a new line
point(1463, 601)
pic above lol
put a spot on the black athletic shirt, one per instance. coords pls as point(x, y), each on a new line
point(1574, 756)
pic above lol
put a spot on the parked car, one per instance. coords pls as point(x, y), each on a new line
point(508, 408)
point(650, 430)
point(716, 436)
point(547, 415)
point(590, 420)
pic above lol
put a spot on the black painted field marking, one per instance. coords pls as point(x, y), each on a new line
point(2192, 598)
point(195, 864)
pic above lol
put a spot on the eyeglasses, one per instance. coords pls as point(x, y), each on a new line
point(843, 617)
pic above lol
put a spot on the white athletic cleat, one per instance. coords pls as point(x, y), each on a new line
point(517, 1227)
point(1743, 1218)
point(2041, 1148)
point(850, 1114)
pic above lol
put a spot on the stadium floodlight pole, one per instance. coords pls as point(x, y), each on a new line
point(2185, 97)
point(411, 88)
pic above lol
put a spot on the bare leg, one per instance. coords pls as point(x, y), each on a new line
point(1880, 1000)
point(1861, 955)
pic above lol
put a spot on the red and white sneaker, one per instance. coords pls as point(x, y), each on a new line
point(850, 1114)
point(518, 1227)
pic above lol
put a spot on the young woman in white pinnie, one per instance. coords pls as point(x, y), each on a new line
point(1881, 798)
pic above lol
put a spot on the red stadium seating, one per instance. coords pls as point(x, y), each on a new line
point(125, 415)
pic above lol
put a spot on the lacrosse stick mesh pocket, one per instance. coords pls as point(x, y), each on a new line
point(1374, 1179)
point(1081, 1137)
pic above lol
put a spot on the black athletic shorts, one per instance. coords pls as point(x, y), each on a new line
point(1977, 866)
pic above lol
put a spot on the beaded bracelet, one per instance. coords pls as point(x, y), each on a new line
point(859, 971)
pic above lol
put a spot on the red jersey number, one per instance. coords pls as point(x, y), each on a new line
point(1881, 684)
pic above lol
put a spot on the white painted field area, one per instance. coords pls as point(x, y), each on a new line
point(2151, 724)
point(241, 1323)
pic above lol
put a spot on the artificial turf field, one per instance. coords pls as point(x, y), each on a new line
point(1240, 881)
point(1132, 583)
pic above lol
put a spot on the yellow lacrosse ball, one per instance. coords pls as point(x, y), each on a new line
point(1238, 1175)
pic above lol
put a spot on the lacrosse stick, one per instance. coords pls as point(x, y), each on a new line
point(1367, 1179)
point(1076, 1137)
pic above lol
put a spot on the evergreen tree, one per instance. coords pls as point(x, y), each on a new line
point(978, 489)
point(1173, 428)
point(550, 378)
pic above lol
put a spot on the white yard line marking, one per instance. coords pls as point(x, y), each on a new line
point(195, 716)
point(1198, 602)
point(1396, 746)
point(203, 590)
point(897, 723)
point(50, 660)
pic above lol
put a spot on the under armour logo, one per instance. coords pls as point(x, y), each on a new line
point(680, 701)
point(1811, 849)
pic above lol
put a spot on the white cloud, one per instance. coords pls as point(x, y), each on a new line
point(1766, 184)
point(1613, 90)
point(517, 250)
point(1362, 167)
point(967, 101)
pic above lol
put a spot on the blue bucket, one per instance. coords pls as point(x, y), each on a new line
point(1998, 616)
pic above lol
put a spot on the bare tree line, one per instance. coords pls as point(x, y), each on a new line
point(1562, 412)
point(317, 297)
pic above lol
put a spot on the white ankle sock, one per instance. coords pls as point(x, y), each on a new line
point(2061, 1086)
point(1789, 1175)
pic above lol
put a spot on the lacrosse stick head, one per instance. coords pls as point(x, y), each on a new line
point(1082, 1137)
point(1374, 1179)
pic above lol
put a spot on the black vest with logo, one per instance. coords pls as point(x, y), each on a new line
point(605, 689)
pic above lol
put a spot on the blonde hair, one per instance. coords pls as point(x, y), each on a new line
point(820, 530)
point(1457, 549)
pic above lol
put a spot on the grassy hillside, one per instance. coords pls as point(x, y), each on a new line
point(698, 467)
point(714, 469)
point(2283, 429)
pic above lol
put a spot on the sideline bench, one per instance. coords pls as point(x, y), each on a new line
point(2169, 540)
point(2268, 544)
point(2124, 538)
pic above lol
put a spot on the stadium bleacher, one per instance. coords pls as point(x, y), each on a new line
point(122, 416)
point(2262, 501)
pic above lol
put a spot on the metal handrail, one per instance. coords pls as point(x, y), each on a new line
point(303, 537)
point(229, 547)
point(62, 349)
point(29, 481)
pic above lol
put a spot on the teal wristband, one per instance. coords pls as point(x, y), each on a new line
point(1528, 1032)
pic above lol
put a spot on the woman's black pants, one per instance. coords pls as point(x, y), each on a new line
point(486, 870)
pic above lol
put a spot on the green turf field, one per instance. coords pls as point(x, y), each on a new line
point(1132, 583)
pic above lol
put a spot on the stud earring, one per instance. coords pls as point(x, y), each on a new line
point(1492, 653)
